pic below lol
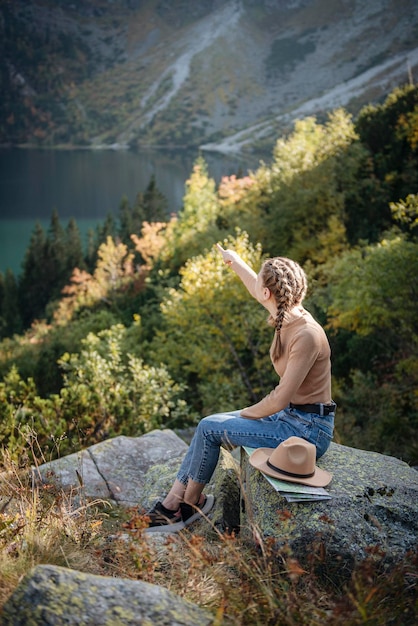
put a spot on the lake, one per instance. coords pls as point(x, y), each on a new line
point(88, 185)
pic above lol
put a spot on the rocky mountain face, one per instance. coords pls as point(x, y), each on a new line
point(221, 74)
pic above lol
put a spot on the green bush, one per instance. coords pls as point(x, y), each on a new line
point(105, 393)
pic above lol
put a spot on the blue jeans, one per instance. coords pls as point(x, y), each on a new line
point(231, 429)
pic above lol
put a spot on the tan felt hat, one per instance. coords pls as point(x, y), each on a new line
point(293, 460)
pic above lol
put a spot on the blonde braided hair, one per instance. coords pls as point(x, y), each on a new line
point(287, 282)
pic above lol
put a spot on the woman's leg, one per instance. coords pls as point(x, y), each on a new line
point(212, 432)
point(230, 428)
point(192, 495)
point(184, 487)
point(175, 496)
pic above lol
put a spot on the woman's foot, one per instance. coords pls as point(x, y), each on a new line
point(190, 513)
point(164, 520)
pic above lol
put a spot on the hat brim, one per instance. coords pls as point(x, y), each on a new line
point(259, 458)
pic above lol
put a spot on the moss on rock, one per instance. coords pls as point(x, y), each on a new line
point(374, 507)
point(50, 596)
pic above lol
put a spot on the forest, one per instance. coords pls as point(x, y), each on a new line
point(146, 328)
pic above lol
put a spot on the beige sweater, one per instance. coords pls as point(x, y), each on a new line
point(304, 367)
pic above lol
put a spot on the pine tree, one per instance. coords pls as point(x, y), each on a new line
point(91, 250)
point(12, 322)
point(74, 248)
point(155, 203)
point(130, 219)
point(138, 215)
point(57, 262)
point(125, 220)
point(105, 230)
point(33, 284)
point(149, 206)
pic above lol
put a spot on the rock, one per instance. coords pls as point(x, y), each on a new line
point(52, 596)
point(224, 516)
point(128, 471)
point(373, 508)
point(225, 485)
point(137, 471)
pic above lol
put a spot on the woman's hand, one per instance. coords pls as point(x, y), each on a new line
point(244, 413)
point(240, 267)
point(229, 256)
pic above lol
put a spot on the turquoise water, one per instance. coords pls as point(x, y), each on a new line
point(15, 237)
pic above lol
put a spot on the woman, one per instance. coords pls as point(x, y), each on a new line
point(300, 405)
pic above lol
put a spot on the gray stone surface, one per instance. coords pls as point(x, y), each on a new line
point(374, 505)
point(123, 469)
point(225, 485)
point(53, 596)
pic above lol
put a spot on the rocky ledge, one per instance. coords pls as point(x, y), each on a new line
point(372, 510)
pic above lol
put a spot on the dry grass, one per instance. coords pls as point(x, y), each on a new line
point(239, 583)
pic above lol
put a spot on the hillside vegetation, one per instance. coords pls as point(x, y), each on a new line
point(147, 328)
point(227, 75)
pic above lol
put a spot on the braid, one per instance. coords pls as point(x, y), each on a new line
point(299, 278)
point(287, 282)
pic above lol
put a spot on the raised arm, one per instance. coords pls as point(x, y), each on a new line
point(240, 267)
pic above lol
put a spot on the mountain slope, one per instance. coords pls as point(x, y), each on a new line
point(222, 74)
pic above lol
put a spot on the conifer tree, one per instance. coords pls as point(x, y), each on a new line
point(125, 220)
point(55, 256)
point(11, 319)
point(154, 202)
point(74, 248)
point(138, 214)
point(91, 250)
point(105, 230)
point(150, 206)
point(47, 266)
point(33, 283)
point(95, 238)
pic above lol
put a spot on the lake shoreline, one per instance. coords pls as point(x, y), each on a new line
point(239, 154)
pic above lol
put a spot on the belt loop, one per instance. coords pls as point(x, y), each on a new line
point(321, 409)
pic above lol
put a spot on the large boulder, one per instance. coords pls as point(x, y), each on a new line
point(374, 508)
point(137, 471)
point(52, 596)
point(126, 471)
